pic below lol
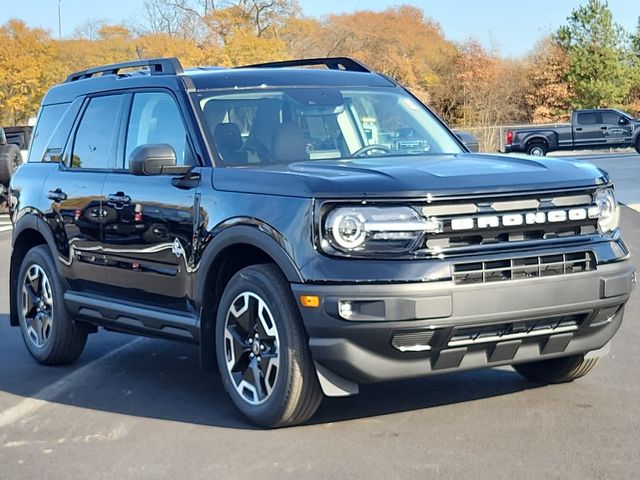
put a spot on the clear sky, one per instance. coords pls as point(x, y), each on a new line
point(511, 26)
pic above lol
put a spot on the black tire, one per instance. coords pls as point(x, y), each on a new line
point(537, 148)
point(10, 160)
point(638, 144)
point(64, 341)
point(295, 392)
point(557, 370)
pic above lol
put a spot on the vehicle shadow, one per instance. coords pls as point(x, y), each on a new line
point(162, 380)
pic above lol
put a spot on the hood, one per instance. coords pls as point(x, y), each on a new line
point(410, 176)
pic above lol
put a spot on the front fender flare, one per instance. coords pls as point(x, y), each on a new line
point(252, 233)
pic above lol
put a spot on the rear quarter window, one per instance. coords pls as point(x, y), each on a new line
point(48, 120)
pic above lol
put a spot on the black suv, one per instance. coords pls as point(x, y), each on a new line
point(311, 229)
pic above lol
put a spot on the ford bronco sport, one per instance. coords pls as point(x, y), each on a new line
point(310, 229)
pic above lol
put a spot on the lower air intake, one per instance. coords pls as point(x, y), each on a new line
point(526, 267)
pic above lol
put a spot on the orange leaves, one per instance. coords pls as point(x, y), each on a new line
point(27, 70)
point(549, 97)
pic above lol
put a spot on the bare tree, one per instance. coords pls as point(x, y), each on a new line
point(90, 29)
point(177, 18)
point(267, 16)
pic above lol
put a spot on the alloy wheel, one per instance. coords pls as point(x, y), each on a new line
point(37, 305)
point(251, 348)
point(537, 152)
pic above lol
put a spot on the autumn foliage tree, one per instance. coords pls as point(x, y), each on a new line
point(27, 70)
point(549, 95)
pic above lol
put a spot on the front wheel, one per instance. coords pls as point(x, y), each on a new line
point(557, 370)
point(262, 350)
point(638, 144)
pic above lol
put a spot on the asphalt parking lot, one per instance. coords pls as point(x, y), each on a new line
point(140, 408)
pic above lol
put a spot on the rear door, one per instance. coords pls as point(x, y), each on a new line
point(74, 191)
point(148, 245)
point(587, 130)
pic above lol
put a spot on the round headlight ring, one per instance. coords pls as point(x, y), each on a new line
point(348, 230)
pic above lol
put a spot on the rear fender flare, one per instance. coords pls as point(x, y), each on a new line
point(549, 138)
point(33, 222)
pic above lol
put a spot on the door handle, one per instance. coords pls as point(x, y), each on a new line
point(603, 128)
point(119, 198)
point(578, 129)
point(57, 195)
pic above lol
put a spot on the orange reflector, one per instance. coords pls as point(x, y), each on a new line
point(310, 301)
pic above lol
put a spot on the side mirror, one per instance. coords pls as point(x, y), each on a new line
point(623, 121)
point(152, 159)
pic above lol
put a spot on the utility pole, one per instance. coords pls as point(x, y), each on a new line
point(60, 19)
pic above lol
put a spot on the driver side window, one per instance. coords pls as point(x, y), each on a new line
point(155, 119)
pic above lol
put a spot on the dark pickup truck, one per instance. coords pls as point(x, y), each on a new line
point(590, 129)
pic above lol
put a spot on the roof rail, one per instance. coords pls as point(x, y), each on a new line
point(333, 63)
point(157, 66)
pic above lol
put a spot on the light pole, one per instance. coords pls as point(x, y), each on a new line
point(60, 19)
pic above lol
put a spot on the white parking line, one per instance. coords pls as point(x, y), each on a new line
point(5, 223)
point(47, 394)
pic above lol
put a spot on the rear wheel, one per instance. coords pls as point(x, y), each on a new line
point(262, 350)
point(638, 144)
point(10, 160)
point(557, 370)
point(48, 331)
point(537, 149)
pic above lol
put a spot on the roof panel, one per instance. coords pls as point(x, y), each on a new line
point(205, 79)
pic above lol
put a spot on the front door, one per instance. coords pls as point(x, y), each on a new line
point(147, 243)
point(617, 130)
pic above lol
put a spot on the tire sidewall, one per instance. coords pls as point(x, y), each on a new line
point(9, 156)
point(256, 282)
point(540, 147)
point(41, 257)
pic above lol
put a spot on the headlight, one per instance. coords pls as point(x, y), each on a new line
point(371, 230)
point(608, 213)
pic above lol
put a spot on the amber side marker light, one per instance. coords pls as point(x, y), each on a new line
point(310, 301)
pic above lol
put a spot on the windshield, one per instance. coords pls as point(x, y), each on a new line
point(625, 114)
point(296, 124)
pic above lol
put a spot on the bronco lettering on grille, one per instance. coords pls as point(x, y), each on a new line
point(530, 218)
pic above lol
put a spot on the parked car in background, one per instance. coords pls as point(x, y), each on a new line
point(469, 140)
point(10, 159)
point(589, 129)
point(14, 143)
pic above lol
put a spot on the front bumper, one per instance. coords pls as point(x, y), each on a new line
point(513, 321)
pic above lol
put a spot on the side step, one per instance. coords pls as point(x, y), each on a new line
point(133, 318)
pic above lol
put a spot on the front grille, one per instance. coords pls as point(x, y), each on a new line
point(469, 224)
point(465, 336)
point(524, 267)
